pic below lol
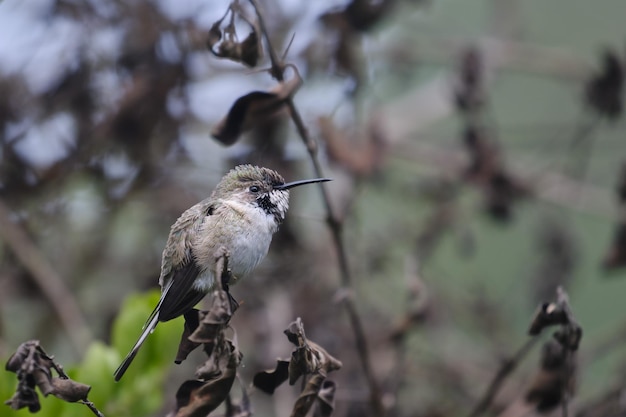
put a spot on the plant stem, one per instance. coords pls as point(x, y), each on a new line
point(334, 224)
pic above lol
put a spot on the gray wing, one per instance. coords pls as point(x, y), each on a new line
point(179, 269)
point(178, 272)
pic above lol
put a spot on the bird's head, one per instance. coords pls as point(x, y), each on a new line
point(261, 187)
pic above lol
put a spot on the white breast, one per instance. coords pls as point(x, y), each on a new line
point(247, 241)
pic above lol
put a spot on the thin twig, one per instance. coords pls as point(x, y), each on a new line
point(505, 370)
point(335, 226)
point(47, 279)
point(93, 408)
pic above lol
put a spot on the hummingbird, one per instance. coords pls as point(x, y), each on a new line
point(239, 219)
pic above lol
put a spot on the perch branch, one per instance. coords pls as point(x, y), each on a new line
point(334, 224)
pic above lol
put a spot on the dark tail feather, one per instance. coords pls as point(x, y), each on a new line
point(148, 328)
point(119, 373)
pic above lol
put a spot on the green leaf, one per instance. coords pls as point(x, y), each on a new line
point(96, 370)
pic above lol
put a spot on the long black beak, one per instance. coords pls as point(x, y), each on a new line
point(298, 183)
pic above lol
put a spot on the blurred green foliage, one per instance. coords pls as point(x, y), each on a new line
point(139, 393)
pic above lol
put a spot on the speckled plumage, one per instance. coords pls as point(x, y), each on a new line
point(239, 218)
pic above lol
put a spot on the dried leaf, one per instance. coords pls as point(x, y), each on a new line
point(241, 409)
point(247, 52)
point(34, 369)
point(603, 92)
point(214, 35)
point(212, 322)
point(308, 357)
point(228, 49)
point(569, 336)
point(186, 346)
point(69, 390)
point(268, 381)
point(558, 313)
point(251, 49)
point(308, 396)
point(326, 399)
point(187, 388)
point(25, 396)
point(22, 353)
point(43, 379)
point(253, 108)
point(199, 398)
point(548, 314)
point(554, 377)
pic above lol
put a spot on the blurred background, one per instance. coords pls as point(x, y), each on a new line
point(477, 151)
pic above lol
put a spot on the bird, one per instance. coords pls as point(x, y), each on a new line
point(239, 219)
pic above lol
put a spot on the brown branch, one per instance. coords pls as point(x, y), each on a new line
point(334, 224)
point(505, 370)
point(47, 279)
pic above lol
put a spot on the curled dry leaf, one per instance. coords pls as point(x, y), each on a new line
point(250, 50)
point(214, 35)
point(241, 409)
point(68, 390)
point(17, 359)
point(569, 336)
point(34, 369)
point(326, 398)
point(213, 321)
point(247, 52)
point(197, 398)
point(224, 43)
point(308, 396)
point(186, 346)
point(558, 313)
point(254, 108)
point(555, 376)
point(204, 327)
point(25, 396)
point(268, 381)
point(309, 357)
point(548, 314)
point(603, 91)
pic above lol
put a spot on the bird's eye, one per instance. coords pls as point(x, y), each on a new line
point(254, 189)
